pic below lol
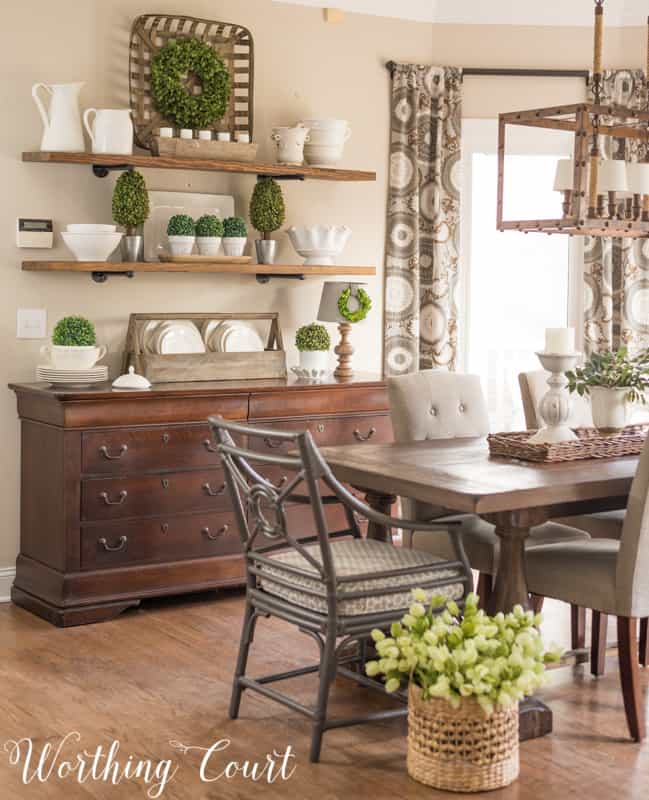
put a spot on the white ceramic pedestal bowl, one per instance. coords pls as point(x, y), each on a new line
point(91, 246)
point(319, 244)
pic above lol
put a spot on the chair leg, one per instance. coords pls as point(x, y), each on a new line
point(577, 627)
point(598, 643)
point(247, 634)
point(484, 589)
point(627, 630)
point(536, 601)
point(328, 663)
point(644, 642)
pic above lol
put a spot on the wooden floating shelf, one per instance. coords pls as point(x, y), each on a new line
point(208, 165)
point(271, 270)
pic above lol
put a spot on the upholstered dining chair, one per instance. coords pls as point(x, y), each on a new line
point(333, 585)
point(611, 576)
point(433, 404)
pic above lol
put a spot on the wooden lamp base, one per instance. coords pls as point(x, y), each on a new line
point(344, 350)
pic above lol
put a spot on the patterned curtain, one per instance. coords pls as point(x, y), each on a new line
point(616, 271)
point(422, 242)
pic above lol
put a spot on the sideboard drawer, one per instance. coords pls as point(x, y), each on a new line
point(113, 544)
point(329, 431)
point(151, 495)
point(139, 449)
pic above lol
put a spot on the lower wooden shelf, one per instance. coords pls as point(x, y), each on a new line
point(100, 270)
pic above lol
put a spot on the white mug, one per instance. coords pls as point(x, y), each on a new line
point(205, 135)
point(243, 137)
point(186, 133)
point(290, 143)
point(166, 133)
point(64, 357)
point(111, 130)
point(223, 136)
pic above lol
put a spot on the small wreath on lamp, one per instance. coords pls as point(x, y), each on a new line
point(169, 69)
point(364, 304)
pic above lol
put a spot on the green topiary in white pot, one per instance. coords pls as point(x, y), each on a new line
point(209, 233)
point(313, 343)
point(74, 344)
point(235, 236)
point(181, 234)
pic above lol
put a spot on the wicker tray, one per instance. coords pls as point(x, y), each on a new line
point(234, 44)
point(590, 444)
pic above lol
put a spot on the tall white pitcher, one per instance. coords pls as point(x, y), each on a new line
point(62, 121)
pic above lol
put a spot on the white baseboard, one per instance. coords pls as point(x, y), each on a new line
point(7, 575)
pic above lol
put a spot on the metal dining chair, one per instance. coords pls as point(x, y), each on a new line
point(433, 404)
point(612, 577)
point(601, 525)
point(332, 585)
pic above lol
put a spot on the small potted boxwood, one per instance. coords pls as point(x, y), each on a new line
point(209, 232)
point(235, 236)
point(131, 210)
point(181, 232)
point(267, 214)
point(313, 343)
point(74, 344)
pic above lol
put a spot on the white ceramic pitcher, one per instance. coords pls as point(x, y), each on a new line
point(290, 144)
point(62, 123)
point(111, 130)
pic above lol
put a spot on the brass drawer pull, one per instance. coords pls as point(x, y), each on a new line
point(165, 438)
point(208, 490)
point(164, 483)
point(122, 452)
point(214, 536)
point(207, 444)
point(164, 527)
point(113, 548)
point(122, 496)
point(272, 443)
point(360, 437)
point(321, 427)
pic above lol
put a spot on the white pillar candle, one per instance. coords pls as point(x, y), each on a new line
point(186, 133)
point(560, 341)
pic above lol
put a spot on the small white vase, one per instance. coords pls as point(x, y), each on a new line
point(208, 245)
point(609, 407)
point(314, 359)
point(234, 245)
point(181, 245)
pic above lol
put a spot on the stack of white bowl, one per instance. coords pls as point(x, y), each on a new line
point(89, 242)
point(326, 142)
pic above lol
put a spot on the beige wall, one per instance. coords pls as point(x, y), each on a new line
point(303, 67)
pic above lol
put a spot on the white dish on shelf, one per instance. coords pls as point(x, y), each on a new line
point(71, 377)
point(91, 246)
point(163, 205)
point(146, 335)
point(175, 337)
point(319, 244)
point(241, 338)
point(84, 227)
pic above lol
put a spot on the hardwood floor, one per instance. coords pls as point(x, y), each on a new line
point(163, 673)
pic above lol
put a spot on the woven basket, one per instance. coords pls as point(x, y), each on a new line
point(461, 750)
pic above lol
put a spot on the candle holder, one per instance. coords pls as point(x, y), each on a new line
point(554, 407)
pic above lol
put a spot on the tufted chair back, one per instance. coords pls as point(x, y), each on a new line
point(534, 385)
point(437, 405)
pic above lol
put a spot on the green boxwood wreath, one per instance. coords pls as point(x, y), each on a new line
point(364, 304)
point(169, 69)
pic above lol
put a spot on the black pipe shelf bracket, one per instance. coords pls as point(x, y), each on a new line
point(101, 277)
point(102, 170)
point(264, 277)
point(282, 177)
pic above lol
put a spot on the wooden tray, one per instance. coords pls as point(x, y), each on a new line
point(232, 42)
point(205, 259)
point(182, 367)
point(241, 152)
point(590, 444)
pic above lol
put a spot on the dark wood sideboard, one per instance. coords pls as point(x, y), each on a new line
point(122, 497)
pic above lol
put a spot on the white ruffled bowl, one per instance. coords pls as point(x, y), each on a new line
point(319, 244)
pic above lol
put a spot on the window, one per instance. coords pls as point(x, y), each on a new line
point(514, 285)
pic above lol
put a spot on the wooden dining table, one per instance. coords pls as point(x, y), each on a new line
point(514, 496)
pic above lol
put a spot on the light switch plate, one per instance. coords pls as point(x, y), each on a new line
point(31, 323)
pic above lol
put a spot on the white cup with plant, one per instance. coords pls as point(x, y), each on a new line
point(235, 236)
point(466, 673)
point(209, 233)
point(613, 380)
point(313, 343)
point(181, 234)
point(74, 345)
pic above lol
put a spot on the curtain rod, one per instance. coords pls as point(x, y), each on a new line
point(517, 73)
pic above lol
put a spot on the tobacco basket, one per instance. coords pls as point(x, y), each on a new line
point(150, 32)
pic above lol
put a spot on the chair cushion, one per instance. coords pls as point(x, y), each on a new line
point(364, 557)
point(605, 525)
point(582, 573)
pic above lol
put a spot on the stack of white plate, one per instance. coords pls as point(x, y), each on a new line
point(171, 337)
point(231, 336)
point(71, 377)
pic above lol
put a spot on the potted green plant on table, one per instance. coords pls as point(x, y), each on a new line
point(209, 232)
point(612, 379)
point(313, 343)
point(131, 210)
point(466, 673)
point(181, 234)
point(267, 214)
point(235, 236)
point(74, 344)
